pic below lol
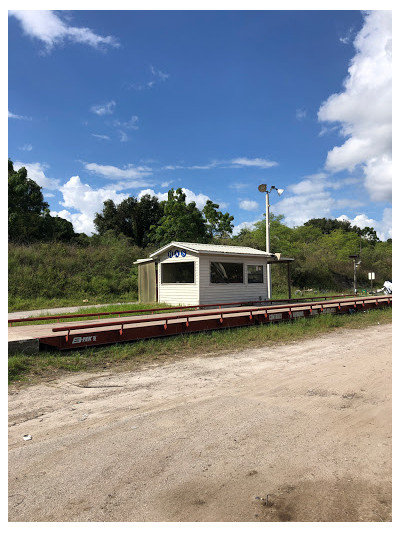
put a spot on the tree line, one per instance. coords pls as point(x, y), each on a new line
point(145, 221)
point(321, 247)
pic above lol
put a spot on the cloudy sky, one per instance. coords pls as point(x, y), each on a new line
point(108, 104)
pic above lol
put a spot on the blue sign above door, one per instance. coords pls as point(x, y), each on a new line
point(176, 253)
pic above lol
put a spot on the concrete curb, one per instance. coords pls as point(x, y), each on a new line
point(25, 346)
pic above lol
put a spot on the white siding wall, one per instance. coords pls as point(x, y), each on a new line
point(179, 293)
point(235, 292)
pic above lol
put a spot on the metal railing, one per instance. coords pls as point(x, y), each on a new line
point(220, 314)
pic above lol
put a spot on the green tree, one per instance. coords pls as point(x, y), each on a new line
point(26, 206)
point(148, 213)
point(132, 218)
point(369, 234)
point(107, 220)
point(327, 225)
point(180, 221)
point(281, 236)
point(56, 229)
point(219, 225)
point(29, 218)
point(321, 249)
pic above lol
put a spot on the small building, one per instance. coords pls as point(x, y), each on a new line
point(187, 273)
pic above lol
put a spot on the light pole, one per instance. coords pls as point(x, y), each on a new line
point(263, 188)
point(355, 265)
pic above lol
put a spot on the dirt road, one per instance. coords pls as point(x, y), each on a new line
point(306, 426)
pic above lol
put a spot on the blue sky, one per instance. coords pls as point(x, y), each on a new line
point(107, 104)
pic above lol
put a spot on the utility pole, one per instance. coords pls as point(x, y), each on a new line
point(263, 188)
point(355, 266)
point(267, 245)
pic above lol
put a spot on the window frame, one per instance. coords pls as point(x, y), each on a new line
point(226, 282)
point(262, 275)
point(175, 263)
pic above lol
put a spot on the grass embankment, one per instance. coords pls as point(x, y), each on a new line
point(45, 275)
point(128, 356)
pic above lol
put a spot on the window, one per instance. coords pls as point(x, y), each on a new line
point(255, 274)
point(179, 272)
point(226, 272)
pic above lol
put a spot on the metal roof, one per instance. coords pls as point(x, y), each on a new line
point(215, 249)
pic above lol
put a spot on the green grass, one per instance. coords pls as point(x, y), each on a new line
point(27, 304)
point(128, 356)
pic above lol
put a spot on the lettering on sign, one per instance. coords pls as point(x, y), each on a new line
point(78, 340)
point(176, 253)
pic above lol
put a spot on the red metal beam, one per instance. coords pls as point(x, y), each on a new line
point(161, 309)
point(207, 320)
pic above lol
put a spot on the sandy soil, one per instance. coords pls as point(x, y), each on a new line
point(294, 433)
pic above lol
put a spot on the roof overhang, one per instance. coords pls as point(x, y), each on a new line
point(141, 261)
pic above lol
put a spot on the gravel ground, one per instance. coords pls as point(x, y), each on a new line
point(298, 433)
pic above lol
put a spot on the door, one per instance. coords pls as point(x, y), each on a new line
point(147, 284)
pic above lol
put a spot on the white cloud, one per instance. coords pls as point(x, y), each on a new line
point(364, 108)
point(36, 172)
point(26, 148)
point(255, 162)
point(327, 131)
point(131, 124)
point(101, 137)
point(238, 186)
point(158, 74)
point(82, 222)
point(48, 27)
point(199, 199)
point(300, 208)
point(244, 225)
point(378, 177)
point(207, 166)
point(18, 117)
point(128, 173)
point(382, 227)
point(248, 205)
point(300, 114)
point(307, 187)
point(104, 109)
point(162, 196)
point(87, 201)
point(312, 197)
point(238, 162)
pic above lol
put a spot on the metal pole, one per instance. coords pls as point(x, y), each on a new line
point(355, 276)
point(289, 281)
point(267, 246)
